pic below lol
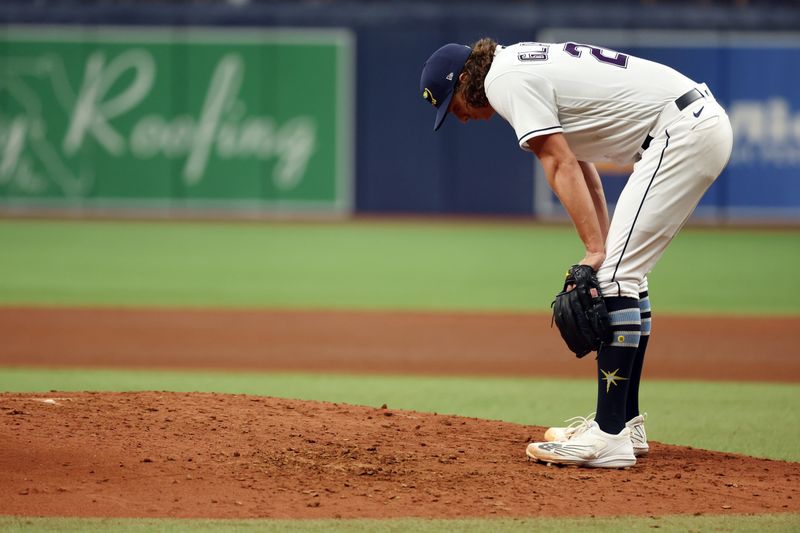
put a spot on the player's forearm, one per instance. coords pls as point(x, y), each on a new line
point(567, 181)
point(595, 187)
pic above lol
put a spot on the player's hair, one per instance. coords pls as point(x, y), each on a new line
point(476, 68)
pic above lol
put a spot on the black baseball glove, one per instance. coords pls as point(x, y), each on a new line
point(580, 312)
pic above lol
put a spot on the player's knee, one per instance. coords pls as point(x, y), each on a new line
point(626, 321)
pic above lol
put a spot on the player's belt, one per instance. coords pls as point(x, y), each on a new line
point(691, 96)
point(682, 102)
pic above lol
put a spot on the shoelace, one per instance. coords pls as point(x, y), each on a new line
point(577, 425)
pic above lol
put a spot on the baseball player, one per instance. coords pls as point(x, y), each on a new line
point(572, 105)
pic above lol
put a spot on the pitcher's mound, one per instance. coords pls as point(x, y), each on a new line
point(158, 454)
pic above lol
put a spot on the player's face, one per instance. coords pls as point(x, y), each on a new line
point(464, 112)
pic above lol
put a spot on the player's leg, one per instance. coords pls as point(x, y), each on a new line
point(604, 442)
point(635, 420)
point(683, 159)
point(632, 409)
point(615, 363)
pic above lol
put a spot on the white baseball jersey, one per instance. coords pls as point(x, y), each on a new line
point(604, 102)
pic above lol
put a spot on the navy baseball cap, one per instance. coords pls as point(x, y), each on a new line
point(440, 75)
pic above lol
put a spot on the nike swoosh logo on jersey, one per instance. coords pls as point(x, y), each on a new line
point(698, 112)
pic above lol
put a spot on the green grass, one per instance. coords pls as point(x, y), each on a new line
point(732, 417)
point(369, 266)
point(739, 523)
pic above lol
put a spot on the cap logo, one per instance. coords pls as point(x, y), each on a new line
point(449, 77)
point(426, 94)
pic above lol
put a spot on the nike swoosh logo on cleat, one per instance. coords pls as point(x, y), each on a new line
point(698, 112)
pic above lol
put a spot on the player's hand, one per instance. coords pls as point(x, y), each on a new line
point(581, 314)
point(594, 259)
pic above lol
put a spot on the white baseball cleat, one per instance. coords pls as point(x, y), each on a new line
point(579, 424)
point(592, 447)
point(638, 435)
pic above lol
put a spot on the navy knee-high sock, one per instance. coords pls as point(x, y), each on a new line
point(614, 363)
point(632, 410)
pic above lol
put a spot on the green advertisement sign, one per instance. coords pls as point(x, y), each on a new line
point(175, 118)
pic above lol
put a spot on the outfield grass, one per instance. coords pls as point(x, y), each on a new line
point(732, 417)
point(369, 266)
point(757, 524)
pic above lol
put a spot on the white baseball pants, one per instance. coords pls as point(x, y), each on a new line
point(689, 149)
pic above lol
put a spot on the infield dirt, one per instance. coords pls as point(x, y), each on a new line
point(506, 344)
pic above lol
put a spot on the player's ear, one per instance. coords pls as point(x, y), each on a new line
point(463, 77)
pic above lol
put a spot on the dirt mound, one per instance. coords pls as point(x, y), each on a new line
point(158, 454)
